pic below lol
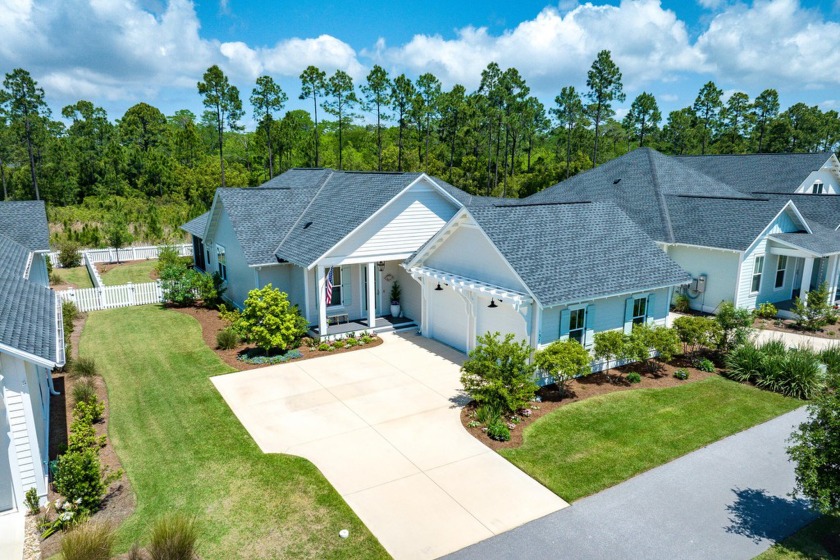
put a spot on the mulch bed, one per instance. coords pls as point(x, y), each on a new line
point(119, 502)
point(789, 326)
point(211, 324)
point(584, 388)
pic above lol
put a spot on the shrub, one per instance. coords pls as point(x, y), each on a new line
point(682, 304)
point(69, 255)
point(324, 347)
point(263, 359)
point(735, 326)
point(815, 450)
point(797, 375)
point(610, 346)
point(766, 311)
point(88, 541)
point(681, 374)
point(351, 342)
point(89, 411)
point(366, 339)
point(693, 332)
point(487, 414)
point(338, 344)
point(831, 358)
point(33, 503)
point(638, 344)
point(498, 431)
point(664, 342)
point(167, 256)
point(227, 338)
point(270, 321)
point(173, 537)
point(84, 391)
point(744, 363)
point(813, 314)
point(706, 365)
point(563, 360)
point(79, 476)
point(177, 286)
point(69, 313)
point(396, 293)
point(498, 372)
point(634, 377)
point(84, 367)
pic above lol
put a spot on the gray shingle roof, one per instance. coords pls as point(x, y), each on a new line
point(27, 309)
point(564, 254)
point(196, 226)
point(726, 223)
point(637, 183)
point(824, 241)
point(776, 173)
point(342, 203)
point(26, 223)
point(820, 208)
point(262, 217)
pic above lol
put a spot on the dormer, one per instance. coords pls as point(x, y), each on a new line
point(825, 180)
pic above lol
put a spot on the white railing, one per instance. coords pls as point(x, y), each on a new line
point(108, 297)
point(125, 254)
point(93, 272)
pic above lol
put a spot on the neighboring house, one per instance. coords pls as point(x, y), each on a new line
point(300, 227)
point(749, 229)
point(542, 272)
point(31, 345)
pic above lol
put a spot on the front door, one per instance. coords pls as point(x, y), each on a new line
point(7, 495)
point(365, 290)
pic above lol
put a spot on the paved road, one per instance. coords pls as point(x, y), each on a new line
point(728, 501)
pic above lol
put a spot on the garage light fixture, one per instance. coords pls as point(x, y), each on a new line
point(493, 303)
point(438, 289)
point(381, 265)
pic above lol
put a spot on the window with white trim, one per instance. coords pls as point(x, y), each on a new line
point(758, 268)
point(640, 311)
point(221, 260)
point(818, 188)
point(781, 268)
point(577, 324)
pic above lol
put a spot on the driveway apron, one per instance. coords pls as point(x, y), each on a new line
point(383, 425)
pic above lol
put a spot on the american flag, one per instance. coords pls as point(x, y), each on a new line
point(328, 297)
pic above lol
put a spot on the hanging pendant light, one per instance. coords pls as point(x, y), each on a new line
point(492, 304)
point(438, 289)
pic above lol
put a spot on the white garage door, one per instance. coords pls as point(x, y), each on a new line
point(448, 318)
point(503, 319)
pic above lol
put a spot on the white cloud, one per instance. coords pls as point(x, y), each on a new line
point(773, 43)
point(647, 42)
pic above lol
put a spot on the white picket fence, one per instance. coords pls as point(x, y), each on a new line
point(125, 254)
point(108, 297)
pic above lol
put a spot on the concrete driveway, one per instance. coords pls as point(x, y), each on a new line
point(383, 426)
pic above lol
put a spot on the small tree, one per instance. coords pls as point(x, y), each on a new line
point(815, 448)
point(497, 373)
point(695, 332)
point(664, 342)
point(118, 235)
point(814, 315)
point(69, 255)
point(610, 345)
point(639, 343)
point(735, 325)
point(564, 360)
point(270, 321)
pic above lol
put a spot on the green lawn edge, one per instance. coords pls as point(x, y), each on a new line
point(805, 543)
point(137, 272)
point(587, 446)
point(183, 449)
point(77, 276)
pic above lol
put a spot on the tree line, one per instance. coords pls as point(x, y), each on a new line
point(497, 140)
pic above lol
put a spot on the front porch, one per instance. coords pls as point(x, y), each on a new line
point(386, 323)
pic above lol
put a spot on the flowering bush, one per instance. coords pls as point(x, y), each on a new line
point(66, 514)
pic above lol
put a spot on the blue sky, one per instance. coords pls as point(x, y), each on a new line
point(120, 53)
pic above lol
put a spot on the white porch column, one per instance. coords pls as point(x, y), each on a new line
point(832, 277)
point(371, 294)
point(807, 271)
point(322, 303)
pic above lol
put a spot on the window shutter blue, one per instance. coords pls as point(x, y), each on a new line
point(628, 315)
point(589, 336)
point(565, 317)
point(651, 309)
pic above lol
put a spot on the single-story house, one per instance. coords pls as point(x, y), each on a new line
point(310, 226)
point(31, 346)
point(749, 229)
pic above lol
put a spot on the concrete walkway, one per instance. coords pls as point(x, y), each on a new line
point(11, 535)
point(728, 500)
point(383, 425)
point(794, 339)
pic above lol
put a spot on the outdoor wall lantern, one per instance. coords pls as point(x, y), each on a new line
point(381, 265)
point(438, 289)
point(493, 303)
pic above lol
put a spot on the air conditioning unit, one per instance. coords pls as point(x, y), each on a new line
point(698, 284)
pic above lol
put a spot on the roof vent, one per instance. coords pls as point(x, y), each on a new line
point(616, 181)
point(307, 224)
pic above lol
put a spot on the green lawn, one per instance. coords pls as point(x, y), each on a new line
point(183, 449)
point(136, 272)
point(805, 543)
point(590, 445)
point(77, 276)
